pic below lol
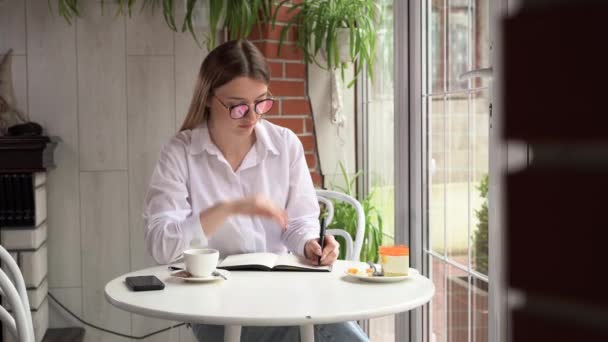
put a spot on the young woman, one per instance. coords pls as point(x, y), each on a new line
point(234, 182)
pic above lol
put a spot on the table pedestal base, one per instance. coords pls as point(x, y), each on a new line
point(307, 333)
point(232, 333)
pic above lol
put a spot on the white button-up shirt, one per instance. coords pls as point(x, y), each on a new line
point(192, 175)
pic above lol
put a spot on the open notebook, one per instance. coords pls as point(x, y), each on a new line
point(269, 262)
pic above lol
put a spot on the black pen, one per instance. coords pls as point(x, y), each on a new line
point(322, 237)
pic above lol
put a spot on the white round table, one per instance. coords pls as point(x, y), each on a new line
point(271, 298)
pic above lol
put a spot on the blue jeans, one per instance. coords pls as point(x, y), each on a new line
point(338, 332)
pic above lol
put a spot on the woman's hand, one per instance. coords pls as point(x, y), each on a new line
point(312, 251)
point(260, 206)
point(214, 217)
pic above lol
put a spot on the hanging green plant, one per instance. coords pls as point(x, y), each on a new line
point(244, 15)
point(342, 31)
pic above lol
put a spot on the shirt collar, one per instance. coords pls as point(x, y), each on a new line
point(201, 141)
point(263, 138)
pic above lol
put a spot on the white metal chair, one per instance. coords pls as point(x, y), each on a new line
point(353, 249)
point(20, 326)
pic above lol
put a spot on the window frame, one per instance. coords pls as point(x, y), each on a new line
point(408, 148)
point(410, 175)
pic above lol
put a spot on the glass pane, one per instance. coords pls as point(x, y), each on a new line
point(480, 40)
point(480, 129)
point(456, 40)
point(380, 126)
point(383, 65)
point(437, 315)
point(457, 180)
point(458, 43)
point(381, 167)
point(437, 173)
point(436, 44)
point(479, 306)
point(457, 285)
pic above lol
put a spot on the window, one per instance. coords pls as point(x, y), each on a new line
point(453, 121)
point(455, 113)
point(377, 124)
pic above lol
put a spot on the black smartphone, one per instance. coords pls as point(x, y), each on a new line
point(144, 283)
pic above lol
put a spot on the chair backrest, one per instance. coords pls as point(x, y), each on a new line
point(353, 249)
point(20, 325)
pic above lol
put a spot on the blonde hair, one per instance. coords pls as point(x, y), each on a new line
point(232, 59)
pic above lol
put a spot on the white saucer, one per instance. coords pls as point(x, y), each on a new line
point(187, 277)
point(382, 279)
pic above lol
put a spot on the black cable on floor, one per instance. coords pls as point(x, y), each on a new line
point(110, 331)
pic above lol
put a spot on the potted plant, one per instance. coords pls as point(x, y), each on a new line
point(480, 237)
point(332, 26)
point(345, 217)
point(244, 14)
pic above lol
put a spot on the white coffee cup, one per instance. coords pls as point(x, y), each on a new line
point(201, 262)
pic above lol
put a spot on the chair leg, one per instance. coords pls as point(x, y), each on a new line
point(21, 319)
point(9, 322)
point(19, 285)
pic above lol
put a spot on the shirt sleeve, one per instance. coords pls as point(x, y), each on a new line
point(170, 224)
point(302, 205)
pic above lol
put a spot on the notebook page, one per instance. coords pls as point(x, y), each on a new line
point(295, 262)
point(264, 259)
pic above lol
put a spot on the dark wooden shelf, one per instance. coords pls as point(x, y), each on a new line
point(27, 153)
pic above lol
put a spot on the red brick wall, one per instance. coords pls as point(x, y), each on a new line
point(288, 84)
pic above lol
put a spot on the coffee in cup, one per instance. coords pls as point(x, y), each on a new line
point(201, 262)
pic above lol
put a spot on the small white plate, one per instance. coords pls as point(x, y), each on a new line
point(188, 277)
point(381, 279)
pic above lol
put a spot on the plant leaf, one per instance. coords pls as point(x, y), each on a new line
point(168, 14)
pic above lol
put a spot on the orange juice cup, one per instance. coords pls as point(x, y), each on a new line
point(395, 260)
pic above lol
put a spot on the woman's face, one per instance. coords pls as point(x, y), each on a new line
point(239, 91)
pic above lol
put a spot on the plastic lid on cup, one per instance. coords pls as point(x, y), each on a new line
point(399, 250)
